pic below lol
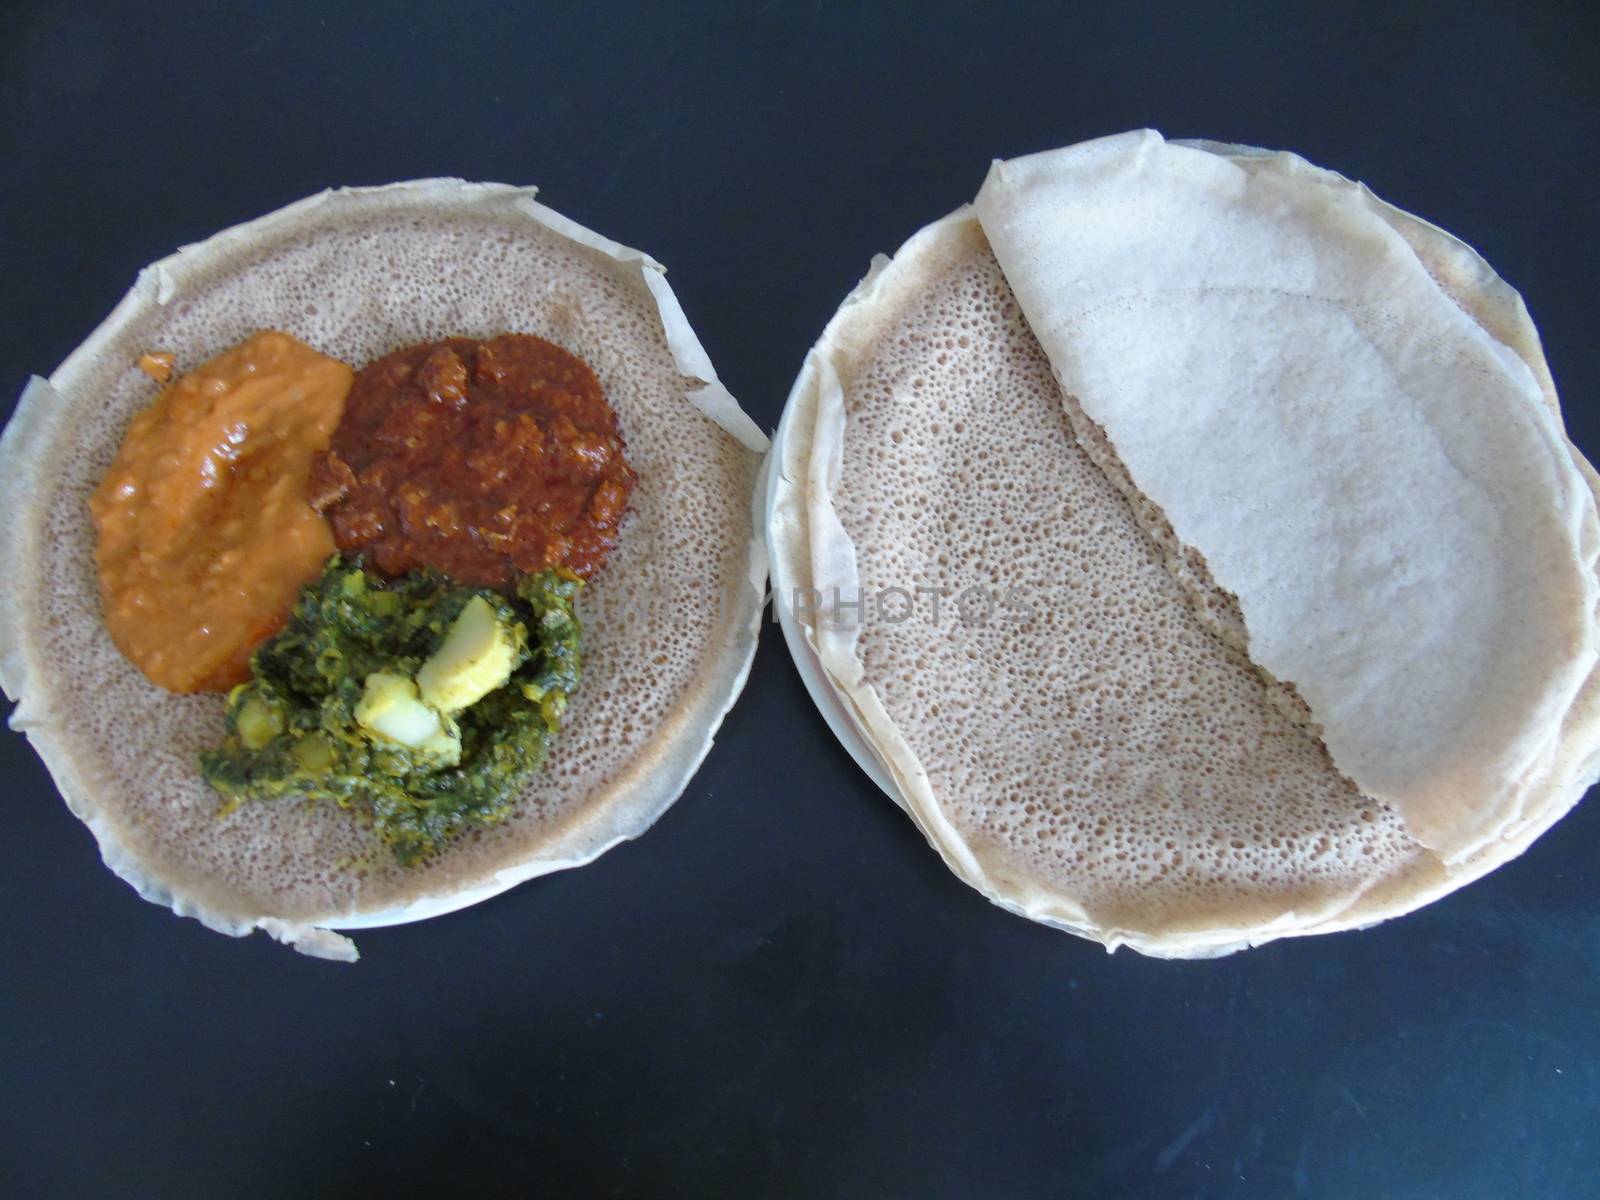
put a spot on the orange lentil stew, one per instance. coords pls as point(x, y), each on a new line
point(204, 535)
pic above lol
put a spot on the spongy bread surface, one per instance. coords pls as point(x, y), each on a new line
point(1107, 750)
point(1114, 764)
point(669, 625)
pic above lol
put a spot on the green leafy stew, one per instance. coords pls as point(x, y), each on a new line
point(416, 702)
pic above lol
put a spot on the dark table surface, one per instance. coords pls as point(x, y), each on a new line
point(779, 990)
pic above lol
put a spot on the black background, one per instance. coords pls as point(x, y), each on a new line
point(779, 990)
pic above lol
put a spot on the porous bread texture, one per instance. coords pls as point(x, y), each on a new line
point(1117, 766)
point(1109, 762)
point(1216, 608)
point(669, 625)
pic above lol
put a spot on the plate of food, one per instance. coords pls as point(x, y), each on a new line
point(375, 556)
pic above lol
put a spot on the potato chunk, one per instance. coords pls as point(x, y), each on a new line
point(390, 708)
point(257, 723)
point(476, 656)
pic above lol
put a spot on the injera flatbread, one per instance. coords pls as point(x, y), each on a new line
point(1116, 765)
point(669, 625)
point(1374, 476)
